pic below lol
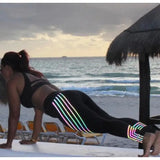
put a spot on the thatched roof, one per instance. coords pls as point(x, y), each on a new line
point(143, 37)
point(3, 93)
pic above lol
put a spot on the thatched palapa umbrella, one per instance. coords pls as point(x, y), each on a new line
point(142, 39)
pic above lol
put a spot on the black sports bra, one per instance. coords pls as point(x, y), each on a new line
point(29, 89)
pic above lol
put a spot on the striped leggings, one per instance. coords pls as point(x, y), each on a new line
point(78, 111)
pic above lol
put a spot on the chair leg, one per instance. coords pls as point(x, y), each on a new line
point(65, 139)
point(60, 139)
point(83, 141)
point(103, 139)
point(21, 135)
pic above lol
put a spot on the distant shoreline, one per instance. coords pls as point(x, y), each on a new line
point(68, 57)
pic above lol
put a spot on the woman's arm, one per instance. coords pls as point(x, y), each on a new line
point(36, 127)
point(14, 112)
point(37, 124)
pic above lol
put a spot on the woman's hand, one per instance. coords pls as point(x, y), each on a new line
point(5, 146)
point(148, 141)
point(27, 142)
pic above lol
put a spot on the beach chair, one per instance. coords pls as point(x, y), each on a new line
point(83, 137)
point(99, 137)
point(3, 132)
point(52, 131)
point(30, 125)
point(22, 131)
point(72, 136)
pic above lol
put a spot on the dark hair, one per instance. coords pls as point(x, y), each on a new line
point(19, 62)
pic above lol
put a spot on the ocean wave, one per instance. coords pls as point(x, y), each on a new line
point(81, 80)
point(113, 75)
point(96, 80)
point(122, 81)
point(56, 76)
point(113, 90)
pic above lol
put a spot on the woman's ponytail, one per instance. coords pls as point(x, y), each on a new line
point(24, 61)
point(24, 64)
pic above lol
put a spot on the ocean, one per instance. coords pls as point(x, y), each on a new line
point(94, 76)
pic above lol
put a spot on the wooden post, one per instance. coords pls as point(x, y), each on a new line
point(144, 92)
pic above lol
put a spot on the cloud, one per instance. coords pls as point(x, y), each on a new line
point(27, 20)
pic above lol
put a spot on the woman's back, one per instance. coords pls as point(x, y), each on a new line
point(33, 90)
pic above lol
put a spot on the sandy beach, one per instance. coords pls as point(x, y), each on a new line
point(116, 106)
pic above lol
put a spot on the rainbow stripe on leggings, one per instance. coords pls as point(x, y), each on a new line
point(69, 114)
point(131, 132)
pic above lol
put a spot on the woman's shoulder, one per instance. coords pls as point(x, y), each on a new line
point(16, 78)
point(16, 82)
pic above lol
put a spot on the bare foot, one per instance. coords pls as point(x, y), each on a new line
point(148, 141)
point(156, 145)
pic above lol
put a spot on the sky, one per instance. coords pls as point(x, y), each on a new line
point(65, 29)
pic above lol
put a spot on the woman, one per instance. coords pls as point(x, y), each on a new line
point(75, 109)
